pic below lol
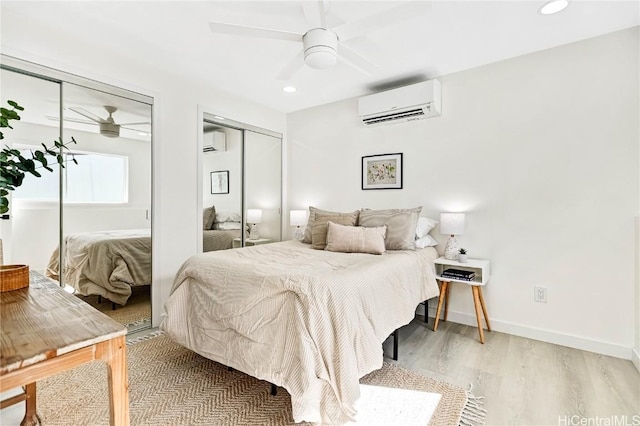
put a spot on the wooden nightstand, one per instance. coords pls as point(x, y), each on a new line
point(482, 271)
point(248, 242)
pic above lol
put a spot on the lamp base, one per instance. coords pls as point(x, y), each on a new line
point(253, 233)
point(451, 249)
point(299, 235)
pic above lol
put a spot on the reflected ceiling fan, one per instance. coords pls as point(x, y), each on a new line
point(322, 47)
point(108, 126)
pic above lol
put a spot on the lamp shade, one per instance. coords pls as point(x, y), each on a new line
point(297, 217)
point(254, 216)
point(452, 223)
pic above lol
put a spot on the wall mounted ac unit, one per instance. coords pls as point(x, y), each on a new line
point(214, 141)
point(412, 102)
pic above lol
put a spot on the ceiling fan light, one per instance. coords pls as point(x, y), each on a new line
point(320, 48)
point(320, 57)
point(110, 130)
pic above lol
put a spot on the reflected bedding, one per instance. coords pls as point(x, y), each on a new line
point(106, 263)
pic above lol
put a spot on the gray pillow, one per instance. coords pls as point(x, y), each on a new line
point(313, 211)
point(355, 239)
point(401, 226)
point(208, 216)
point(319, 231)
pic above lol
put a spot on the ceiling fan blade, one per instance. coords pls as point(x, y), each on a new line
point(356, 60)
point(381, 20)
point(72, 120)
point(292, 67)
point(244, 30)
point(136, 130)
point(91, 116)
point(135, 124)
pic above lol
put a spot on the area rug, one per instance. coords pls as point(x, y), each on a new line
point(135, 315)
point(171, 385)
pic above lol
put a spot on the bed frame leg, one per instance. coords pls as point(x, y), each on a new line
point(274, 390)
point(426, 312)
point(395, 345)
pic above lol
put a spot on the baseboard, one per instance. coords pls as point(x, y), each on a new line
point(548, 336)
point(635, 358)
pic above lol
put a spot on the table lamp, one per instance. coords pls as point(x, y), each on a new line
point(298, 218)
point(451, 224)
point(254, 217)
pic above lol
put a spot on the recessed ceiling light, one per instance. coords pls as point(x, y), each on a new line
point(554, 6)
point(143, 134)
point(289, 89)
point(217, 117)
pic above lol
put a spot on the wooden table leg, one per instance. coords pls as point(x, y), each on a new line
point(114, 352)
point(484, 309)
point(30, 417)
point(446, 302)
point(444, 285)
point(476, 302)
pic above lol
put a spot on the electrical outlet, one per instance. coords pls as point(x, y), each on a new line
point(540, 294)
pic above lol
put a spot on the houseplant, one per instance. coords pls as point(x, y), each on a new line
point(14, 168)
point(462, 255)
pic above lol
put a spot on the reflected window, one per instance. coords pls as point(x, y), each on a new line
point(97, 178)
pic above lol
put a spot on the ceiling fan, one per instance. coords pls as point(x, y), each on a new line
point(108, 126)
point(322, 47)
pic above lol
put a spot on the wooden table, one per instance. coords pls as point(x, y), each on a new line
point(44, 331)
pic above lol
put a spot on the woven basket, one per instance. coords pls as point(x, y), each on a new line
point(13, 277)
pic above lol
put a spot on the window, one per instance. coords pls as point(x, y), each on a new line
point(97, 178)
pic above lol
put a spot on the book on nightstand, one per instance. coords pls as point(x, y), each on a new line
point(458, 274)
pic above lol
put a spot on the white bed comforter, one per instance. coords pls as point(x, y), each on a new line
point(308, 320)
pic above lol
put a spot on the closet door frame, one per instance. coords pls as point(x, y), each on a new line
point(33, 69)
point(210, 117)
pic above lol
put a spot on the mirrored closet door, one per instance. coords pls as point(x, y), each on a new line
point(87, 224)
point(242, 184)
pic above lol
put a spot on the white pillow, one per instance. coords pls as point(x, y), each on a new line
point(426, 241)
point(228, 217)
point(226, 226)
point(424, 226)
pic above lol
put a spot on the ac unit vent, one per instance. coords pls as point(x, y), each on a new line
point(413, 102)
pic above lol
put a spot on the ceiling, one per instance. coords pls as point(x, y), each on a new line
point(441, 37)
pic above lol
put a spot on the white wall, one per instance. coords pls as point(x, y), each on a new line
point(176, 216)
point(230, 160)
point(542, 152)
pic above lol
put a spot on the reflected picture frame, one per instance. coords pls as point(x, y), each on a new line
point(382, 171)
point(220, 182)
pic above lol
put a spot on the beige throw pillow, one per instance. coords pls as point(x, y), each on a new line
point(313, 211)
point(208, 216)
point(355, 239)
point(401, 226)
point(319, 231)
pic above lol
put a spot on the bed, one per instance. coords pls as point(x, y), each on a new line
point(311, 321)
point(219, 229)
point(106, 263)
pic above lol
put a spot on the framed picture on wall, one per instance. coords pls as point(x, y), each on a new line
point(220, 182)
point(383, 171)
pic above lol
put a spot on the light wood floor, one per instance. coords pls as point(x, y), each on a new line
point(524, 381)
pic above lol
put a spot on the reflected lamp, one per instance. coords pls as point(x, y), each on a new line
point(254, 217)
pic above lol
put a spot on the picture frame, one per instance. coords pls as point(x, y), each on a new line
point(382, 171)
point(220, 182)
